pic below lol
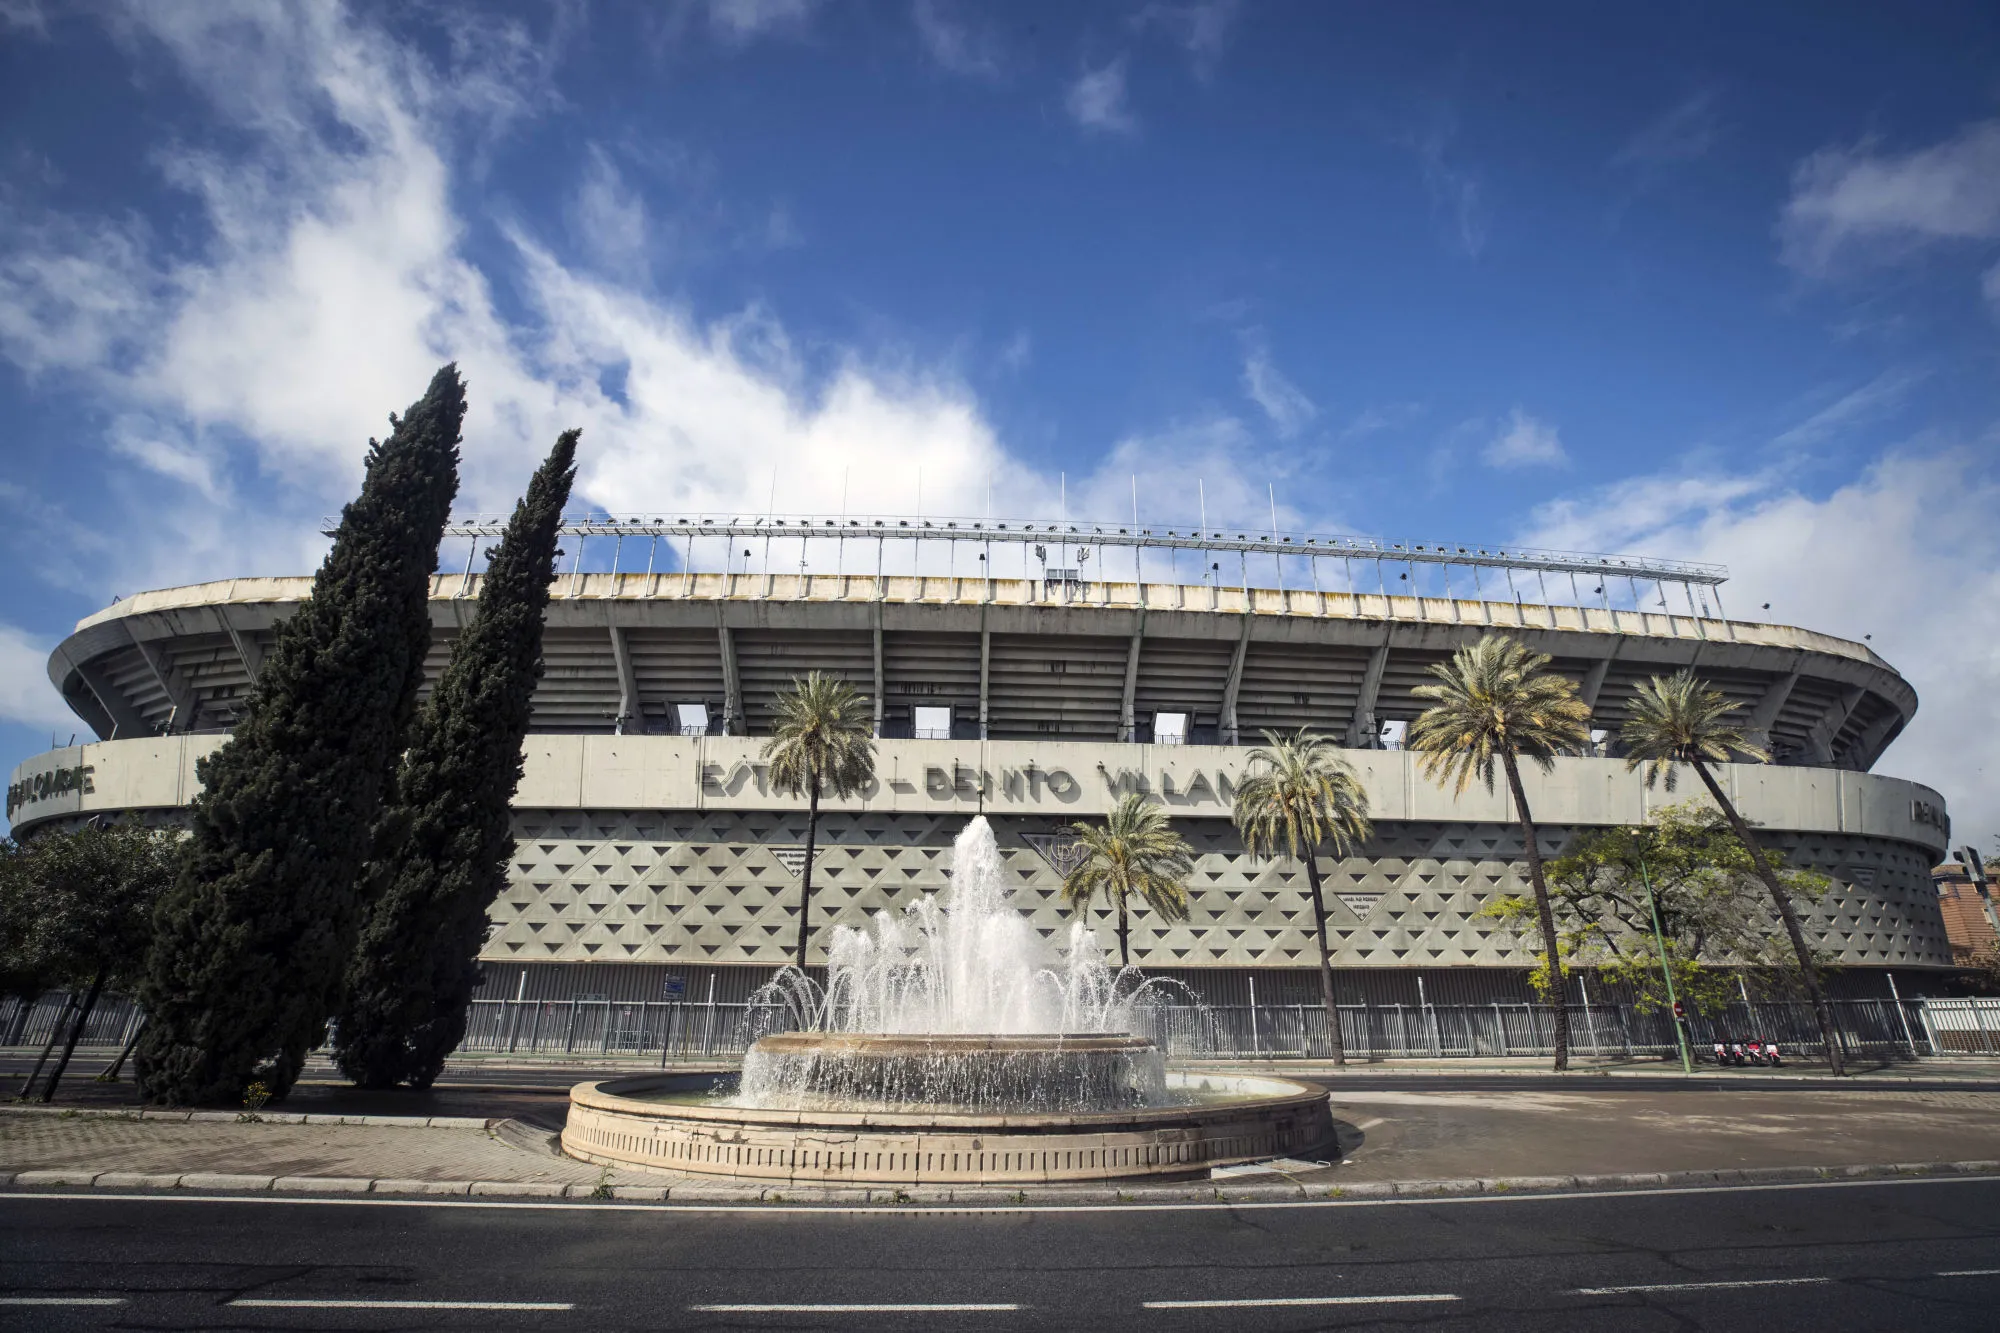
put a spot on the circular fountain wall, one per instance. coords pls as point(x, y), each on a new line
point(950, 1044)
point(673, 1123)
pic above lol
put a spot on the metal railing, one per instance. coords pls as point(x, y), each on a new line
point(694, 1029)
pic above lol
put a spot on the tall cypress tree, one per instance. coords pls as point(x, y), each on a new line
point(252, 943)
point(413, 975)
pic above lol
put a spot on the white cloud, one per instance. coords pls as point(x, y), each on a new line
point(71, 290)
point(955, 44)
point(741, 20)
point(1872, 401)
point(25, 16)
point(1202, 30)
point(26, 697)
point(1681, 133)
point(1211, 465)
point(1283, 401)
point(1874, 204)
point(1525, 442)
point(1018, 352)
point(246, 372)
point(1457, 197)
point(1097, 100)
point(610, 217)
point(1907, 552)
point(1380, 417)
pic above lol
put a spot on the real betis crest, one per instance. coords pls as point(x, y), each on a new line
point(1063, 851)
point(794, 858)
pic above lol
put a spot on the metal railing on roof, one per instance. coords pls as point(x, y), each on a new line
point(1065, 549)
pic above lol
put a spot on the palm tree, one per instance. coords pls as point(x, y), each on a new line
point(1678, 719)
point(1496, 703)
point(821, 746)
point(1135, 851)
point(1298, 793)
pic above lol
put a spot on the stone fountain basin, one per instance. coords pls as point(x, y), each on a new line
point(658, 1122)
point(987, 1073)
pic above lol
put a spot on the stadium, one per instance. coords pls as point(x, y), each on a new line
point(1032, 672)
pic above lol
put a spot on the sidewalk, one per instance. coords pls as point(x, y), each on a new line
point(1393, 1141)
point(1861, 1072)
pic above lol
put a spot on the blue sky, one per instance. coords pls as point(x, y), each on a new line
point(1690, 282)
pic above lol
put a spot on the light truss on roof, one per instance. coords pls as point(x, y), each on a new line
point(1056, 544)
point(1101, 534)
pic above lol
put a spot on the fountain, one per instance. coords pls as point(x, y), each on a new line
point(951, 1042)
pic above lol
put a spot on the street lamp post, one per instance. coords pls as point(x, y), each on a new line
point(1666, 972)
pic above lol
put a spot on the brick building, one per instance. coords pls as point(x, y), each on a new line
point(1968, 912)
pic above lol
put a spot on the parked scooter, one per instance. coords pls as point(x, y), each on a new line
point(1765, 1054)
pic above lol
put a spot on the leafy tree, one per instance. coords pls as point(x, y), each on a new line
point(417, 964)
point(1679, 719)
point(82, 900)
point(255, 937)
point(1495, 703)
point(1134, 852)
point(1980, 974)
point(1296, 796)
point(1712, 912)
point(821, 746)
point(21, 977)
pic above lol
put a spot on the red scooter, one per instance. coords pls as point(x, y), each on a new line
point(1765, 1053)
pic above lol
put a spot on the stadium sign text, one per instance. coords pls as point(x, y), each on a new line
point(46, 785)
point(1029, 783)
point(1927, 813)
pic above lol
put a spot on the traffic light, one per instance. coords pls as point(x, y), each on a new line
point(1680, 1010)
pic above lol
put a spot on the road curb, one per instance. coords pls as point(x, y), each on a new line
point(253, 1117)
point(983, 1195)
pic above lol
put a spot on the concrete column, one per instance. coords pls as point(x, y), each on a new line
point(1234, 683)
point(881, 688)
point(1360, 728)
point(732, 686)
point(178, 694)
point(1593, 682)
point(1819, 741)
point(1757, 727)
point(104, 709)
point(246, 647)
point(629, 711)
point(985, 673)
point(1129, 724)
point(1875, 740)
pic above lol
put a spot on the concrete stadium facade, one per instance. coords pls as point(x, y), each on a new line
point(651, 846)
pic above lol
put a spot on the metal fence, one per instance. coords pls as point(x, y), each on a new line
point(112, 1022)
point(1503, 1029)
point(693, 1029)
point(679, 1030)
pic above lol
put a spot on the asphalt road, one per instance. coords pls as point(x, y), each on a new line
point(1867, 1256)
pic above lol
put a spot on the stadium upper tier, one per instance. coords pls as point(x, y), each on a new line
point(973, 657)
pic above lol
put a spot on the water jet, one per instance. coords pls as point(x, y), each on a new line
point(951, 1043)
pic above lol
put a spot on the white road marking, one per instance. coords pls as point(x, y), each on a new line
point(62, 1300)
point(998, 1209)
point(274, 1304)
point(1971, 1272)
point(1268, 1301)
point(1704, 1286)
point(853, 1309)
